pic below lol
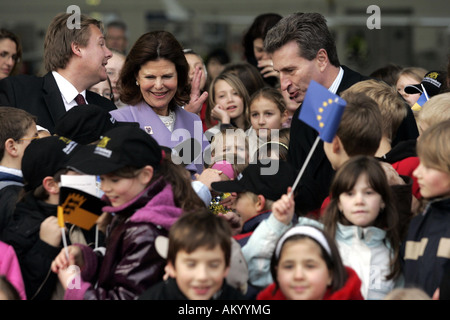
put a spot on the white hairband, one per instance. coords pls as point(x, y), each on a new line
point(307, 231)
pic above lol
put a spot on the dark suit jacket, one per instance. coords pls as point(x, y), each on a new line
point(316, 180)
point(41, 97)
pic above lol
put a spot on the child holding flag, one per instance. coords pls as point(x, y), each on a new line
point(33, 231)
point(146, 193)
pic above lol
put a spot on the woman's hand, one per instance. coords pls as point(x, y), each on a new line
point(266, 68)
point(197, 98)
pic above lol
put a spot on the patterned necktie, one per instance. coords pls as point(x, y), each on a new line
point(80, 99)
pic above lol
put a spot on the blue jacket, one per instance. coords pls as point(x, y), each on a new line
point(249, 226)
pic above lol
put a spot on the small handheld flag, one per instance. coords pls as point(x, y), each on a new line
point(60, 215)
point(421, 101)
point(80, 208)
point(321, 110)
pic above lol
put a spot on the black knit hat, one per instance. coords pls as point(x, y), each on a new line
point(87, 123)
point(45, 157)
point(120, 147)
point(269, 178)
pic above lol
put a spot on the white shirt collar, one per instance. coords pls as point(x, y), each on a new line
point(68, 91)
point(335, 85)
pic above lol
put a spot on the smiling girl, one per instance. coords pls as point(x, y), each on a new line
point(145, 194)
point(361, 217)
point(306, 266)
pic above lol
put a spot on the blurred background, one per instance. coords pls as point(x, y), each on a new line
point(412, 33)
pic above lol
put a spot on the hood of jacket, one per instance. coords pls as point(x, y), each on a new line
point(155, 205)
point(350, 291)
point(400, 151)
point(371, 236)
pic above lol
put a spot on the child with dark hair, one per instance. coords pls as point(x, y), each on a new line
point(361, 217)
point(17, 130)
point(198, 260)
point(33, 230)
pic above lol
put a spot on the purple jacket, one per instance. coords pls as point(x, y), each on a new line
point(131, 263)
point(187, 125)
point(9, 266)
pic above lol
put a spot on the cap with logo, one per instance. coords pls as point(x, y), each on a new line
point(87, 123)
point(120, 147)
point(432, 82)
point(45, 157)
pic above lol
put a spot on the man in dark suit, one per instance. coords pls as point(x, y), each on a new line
point(303, 49)
point(75, 58)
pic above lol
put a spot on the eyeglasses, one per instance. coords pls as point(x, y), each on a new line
point(30, 139)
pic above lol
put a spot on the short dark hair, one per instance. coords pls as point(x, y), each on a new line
point(199, 229)
point(308, 30)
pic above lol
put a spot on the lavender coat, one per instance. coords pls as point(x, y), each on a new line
point(187, 125)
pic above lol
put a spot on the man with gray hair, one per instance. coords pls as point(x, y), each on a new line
point(303, 49)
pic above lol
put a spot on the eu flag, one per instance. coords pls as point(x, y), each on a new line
point(322, 110)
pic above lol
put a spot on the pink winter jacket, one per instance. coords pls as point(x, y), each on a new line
point(9, 266)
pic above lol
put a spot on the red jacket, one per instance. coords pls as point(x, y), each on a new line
point(350, 291)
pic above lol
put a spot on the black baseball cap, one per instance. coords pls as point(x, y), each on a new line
point(433, 82)
point(268, 177)
point(45, 157)
point(120, 147)
point(86, 123)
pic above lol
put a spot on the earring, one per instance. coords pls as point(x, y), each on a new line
point(137, 83)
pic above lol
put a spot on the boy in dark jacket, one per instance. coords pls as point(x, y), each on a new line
point(33, 230)
point(426, 251)
point(17, 130)
point(198, 260)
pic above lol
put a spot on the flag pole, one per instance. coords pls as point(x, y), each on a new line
point(304, 165)
point(63, 231)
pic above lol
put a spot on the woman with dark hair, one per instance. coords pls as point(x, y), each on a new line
point(10, 53)
point(253, 43)
point(154, 83)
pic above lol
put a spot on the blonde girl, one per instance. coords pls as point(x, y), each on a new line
point(228, 103)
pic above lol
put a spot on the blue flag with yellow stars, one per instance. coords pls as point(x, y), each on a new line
point(322, 110)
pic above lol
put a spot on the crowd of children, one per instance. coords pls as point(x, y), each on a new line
point(233, 230)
